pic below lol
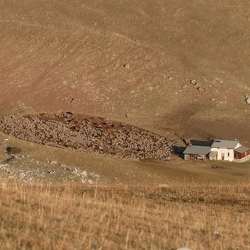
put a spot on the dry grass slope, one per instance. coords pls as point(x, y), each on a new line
point(56, 216)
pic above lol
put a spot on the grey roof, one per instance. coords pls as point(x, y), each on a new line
point(241, 149)
point(199, 150)
point(224, 143)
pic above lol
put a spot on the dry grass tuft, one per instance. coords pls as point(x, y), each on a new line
point(57, 216)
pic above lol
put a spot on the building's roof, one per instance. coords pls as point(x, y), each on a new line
point(241, 149)
point(201, 143)
point(199, 150)
point(224, 143)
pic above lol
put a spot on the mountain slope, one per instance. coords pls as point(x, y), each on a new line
point(130, 61)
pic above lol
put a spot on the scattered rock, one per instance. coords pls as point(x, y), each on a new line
point(164, 185)
point(216, 234)
point(72, 87)
point(84, 173)
point(248, 100)
point(8, 161)
point(193, 82)
point(215, 166)
point(90, 182)
point(126, 65)
point(74, 170)
point(21, 175)
point(196, 86)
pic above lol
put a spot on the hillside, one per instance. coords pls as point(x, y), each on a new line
point(130, 62)
point(143, 75)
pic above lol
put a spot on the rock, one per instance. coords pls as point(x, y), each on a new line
point(126, 65)
point(21, 175)
point(164, 185)
point(74, 170)
point(8, 161)
point(248, 100)
point(196, 85)
point(216, 234)
point(72, 87)
point(193, 82)
point(84, 173)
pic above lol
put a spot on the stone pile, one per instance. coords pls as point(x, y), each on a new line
point(16, 167)
point(85, 133)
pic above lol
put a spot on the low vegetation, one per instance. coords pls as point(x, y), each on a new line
point(13, 150)
point(73, 216)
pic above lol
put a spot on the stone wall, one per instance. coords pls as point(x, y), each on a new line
point(247, 158)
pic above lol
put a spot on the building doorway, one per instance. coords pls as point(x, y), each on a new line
point(222, 156)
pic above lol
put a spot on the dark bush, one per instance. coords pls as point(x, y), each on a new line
point(13, 150)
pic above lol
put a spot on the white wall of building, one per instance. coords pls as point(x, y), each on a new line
point(224, 154)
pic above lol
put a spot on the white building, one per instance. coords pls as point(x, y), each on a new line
point(223, 149)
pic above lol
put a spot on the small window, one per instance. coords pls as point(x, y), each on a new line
point(228, 154)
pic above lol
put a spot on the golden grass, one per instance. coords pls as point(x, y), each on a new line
point(57, 216)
